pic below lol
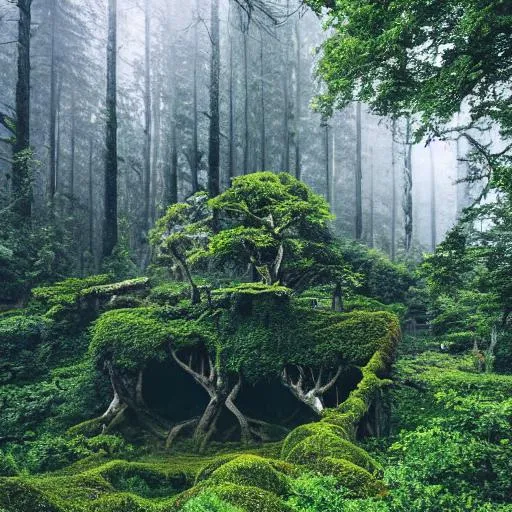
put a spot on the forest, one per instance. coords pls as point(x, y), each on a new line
point(255, 256)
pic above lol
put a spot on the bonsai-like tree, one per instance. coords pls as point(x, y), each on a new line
point(267, 220)
point(181, 232)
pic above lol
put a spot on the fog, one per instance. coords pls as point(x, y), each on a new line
point(266, 87)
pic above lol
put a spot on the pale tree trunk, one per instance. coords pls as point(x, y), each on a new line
point(433, 200)
point(231, 93)
point(263, 128)
point(371, 234)
point(393, 192)
point(147, 114)
point(298, 99)
point(155, 158)
point(72, 152)
point(91, 195)
point(359, 175)
point(214, 135)
point(246, 102)
point(328, 184)
point(313, 395)
point(110, 224)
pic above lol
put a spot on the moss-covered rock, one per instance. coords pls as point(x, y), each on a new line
point(359, 481)
point(253, 471)
point(303, 431)
point(314, 448)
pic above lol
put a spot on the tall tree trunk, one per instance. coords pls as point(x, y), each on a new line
point(298, 99)
point(214, 135)
point(91, 195)
point(72, 152)
point(58, 138)
point(433, 199)
point(110, 224)
point(147, 115)
point(194, 161)
point(371, 234)
point(359, 175)
point(393, 192)
point(171, 152)
point(408, 218)
point(285, 162)
point(155, 172)
point(328, 185)
point(246, 102)
point(263, 128)
point(21, 179)
point(52, 168)
point(231, 92)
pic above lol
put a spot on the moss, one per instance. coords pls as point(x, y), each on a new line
point(123, 502)
point(314, 448)
point(19, 496)
point(107, 290)
point(303, 431)
point(251, 470)
point(247, 498)
point(351, 476)
point(130, 337)
point(66, 293)
point(207, 470)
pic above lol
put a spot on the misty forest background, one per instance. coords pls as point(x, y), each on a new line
point(175, 121)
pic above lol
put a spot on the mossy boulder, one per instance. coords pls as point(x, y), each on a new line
point(304, 431)
point(253, 471)
point(359, 481)
point(314, 448)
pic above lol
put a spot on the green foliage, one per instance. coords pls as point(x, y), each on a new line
point(270, 220)
point(380, 54)
point(8, 465)
point(380, 278)
point(130, 337)
point(314, 493)
point(207, 501)
point(50, 452)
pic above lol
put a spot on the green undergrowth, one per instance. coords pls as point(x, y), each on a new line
point(83, 474)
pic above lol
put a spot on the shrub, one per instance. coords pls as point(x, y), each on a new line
point(207, 501)
point(8, 465)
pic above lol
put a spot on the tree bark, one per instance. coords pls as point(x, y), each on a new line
point(337, 298)
point(407, 205)
point(21, 179)
point(110, 223)
point(359, 175)
point(52, 157)
point(214, 135)
point(147, 115)
point(263, 128)
point(298, 99)
point(246, 102)
point(393, 192)
point(433, 201)
point(194, 161)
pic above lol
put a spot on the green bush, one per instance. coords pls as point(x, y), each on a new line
point(8, 465)
point(207, 501)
